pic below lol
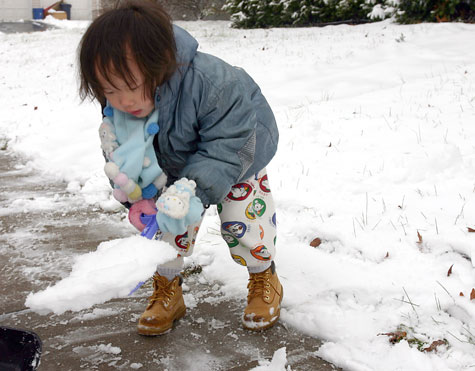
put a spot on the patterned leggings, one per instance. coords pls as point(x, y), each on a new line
point(248, 225)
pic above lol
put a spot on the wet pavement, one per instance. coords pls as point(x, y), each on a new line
point(43, 227)
point(24, 26)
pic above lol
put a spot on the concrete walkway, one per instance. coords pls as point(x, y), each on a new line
point(40, 234)
point(25, 26)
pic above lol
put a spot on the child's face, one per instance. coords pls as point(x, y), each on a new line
point(123, 98)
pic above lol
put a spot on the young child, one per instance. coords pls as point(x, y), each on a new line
point(181, 122)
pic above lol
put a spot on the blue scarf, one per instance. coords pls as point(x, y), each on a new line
point(134, 153)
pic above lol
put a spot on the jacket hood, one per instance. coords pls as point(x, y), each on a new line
point(186, 48)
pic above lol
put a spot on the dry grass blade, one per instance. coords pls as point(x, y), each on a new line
point(419, 238)
point(450, 271)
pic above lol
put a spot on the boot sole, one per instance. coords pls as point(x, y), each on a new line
point(155, 331)
point(256, 326)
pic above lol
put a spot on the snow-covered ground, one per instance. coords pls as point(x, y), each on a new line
point(376, 158)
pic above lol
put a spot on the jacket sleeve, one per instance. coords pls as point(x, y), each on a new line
point(226, 148)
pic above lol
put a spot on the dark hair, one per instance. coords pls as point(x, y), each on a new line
point(138, 29)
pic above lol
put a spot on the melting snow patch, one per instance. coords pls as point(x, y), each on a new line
point(108, 349)
point(279, 360)
point(101, 348)
point(95, 314)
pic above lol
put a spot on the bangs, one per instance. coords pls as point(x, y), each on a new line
point(112, 65)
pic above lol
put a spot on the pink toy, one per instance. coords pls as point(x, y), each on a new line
point(141, 207)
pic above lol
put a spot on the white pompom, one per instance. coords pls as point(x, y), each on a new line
point(111, 170)
point(160, 181)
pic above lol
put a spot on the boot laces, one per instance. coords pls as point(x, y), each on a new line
point(162, 290)
point(259, 285)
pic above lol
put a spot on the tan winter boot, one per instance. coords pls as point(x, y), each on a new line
point(165, 306)
point(263, 300)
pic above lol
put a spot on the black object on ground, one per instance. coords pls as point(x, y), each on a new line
point(20, 350)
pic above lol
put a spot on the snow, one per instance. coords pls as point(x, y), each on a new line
point(95, 314)
point(108, 348)
point(112, 271)
point(376, 158)
point(103, 348)
point(278, 362)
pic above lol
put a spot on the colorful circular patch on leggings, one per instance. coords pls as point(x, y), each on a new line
point(195, 233)
point(182, 242)
point(219, 207)
point(240, 192)
point(239, 259)
point(264, 184)
point(259, 206)
point(230, 240)
point(250, 214)
point(237, 229)
point(261, 253)
point(273, 221)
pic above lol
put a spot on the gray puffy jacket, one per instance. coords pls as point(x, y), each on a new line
point(216, 127)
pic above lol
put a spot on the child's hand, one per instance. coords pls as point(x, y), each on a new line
point(141, 207)
point(178, 207)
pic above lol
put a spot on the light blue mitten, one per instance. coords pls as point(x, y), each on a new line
point(178, 207)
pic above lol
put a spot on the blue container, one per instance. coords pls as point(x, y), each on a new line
point(66, 8)
point(38, 13)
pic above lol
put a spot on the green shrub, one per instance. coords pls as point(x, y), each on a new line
point(275, 13)
point(353, 9)
point(303, 12)
point(255, 13)
point(414, 11)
